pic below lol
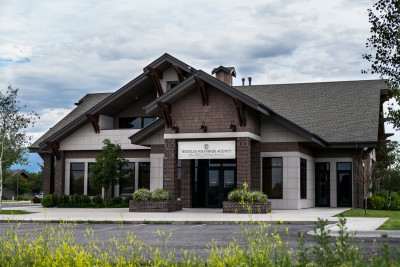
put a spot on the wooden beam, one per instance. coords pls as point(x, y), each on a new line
point(385, 136)
point(55, 146)
point(42, 155)
point(382, 120)
point(94, 119)
point(179, 73)
point(156, 76)
point(166, 112)
point(240, 112)
point(202, 89)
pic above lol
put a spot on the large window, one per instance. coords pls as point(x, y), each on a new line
point(344, 184)
point(91, 191)
point(127, 185)
point(135, 122)
point(303, 178)
point(144, 175)
point(273, 177)
point(77, 178)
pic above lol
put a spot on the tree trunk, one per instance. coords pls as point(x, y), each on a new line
point(389, 199)
point(1, 180)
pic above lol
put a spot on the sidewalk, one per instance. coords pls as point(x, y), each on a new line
point(364, 227)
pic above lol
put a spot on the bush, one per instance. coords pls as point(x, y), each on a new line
point(383, 194)
point(20, 197)
point(142, 194)
point(239, 195)
point(126, 199)
point(160, 194)
point(380, 203)
point(97, 199)
point(47, 201)
point(36, 200)
point(395, 202)
point(85, 199)
point(371, 203)
point(114, 201)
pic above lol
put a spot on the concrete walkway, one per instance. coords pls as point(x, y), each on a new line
point(357, 226)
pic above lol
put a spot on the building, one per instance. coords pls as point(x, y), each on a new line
point(199, 137)
point(11, 193)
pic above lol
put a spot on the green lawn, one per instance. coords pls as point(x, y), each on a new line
point(15, 212)
point(392, 224)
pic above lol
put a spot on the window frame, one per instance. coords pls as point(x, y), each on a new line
point(265, 168)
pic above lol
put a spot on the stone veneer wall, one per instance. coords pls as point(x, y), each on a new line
point(48, 173)
point(255, 165)
point(236, 207)
point(243, 162)
point(154, 206)
point(186, 192)
point(170, 182)
point(59, 176)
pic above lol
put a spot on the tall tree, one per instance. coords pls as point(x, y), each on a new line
point(36, 180)
point(108, 170)
point(13, 124)
point(385, 44)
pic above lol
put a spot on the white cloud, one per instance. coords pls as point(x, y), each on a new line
point(15, 52)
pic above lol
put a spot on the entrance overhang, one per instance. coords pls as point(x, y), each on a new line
point(224, 135)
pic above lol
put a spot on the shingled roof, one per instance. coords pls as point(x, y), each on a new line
point(85, 104)
point(338, 112)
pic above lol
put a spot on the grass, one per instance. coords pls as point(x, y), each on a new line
point(392, 224)
point(15, 212)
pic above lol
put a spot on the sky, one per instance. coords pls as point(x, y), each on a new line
point(57, 51)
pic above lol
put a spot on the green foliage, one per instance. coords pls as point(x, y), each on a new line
point(21, 197)
point(47, 201)
point(16, 181)
point(385, 45)
point(380, 203)
point(85, 199)
point(142, 194)
point(160, 194)
point(97, 200)
point(36, 180)
point(109, 166)
point(239, 195)
point(126, 199)
point(114, 201)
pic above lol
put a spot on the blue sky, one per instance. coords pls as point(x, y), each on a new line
point(55, 52)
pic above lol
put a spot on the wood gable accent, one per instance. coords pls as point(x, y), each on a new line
point(166, 112)
point(55, 146)
point(94, 119)
point(240, 112)
point(156, 76)
point(179, 72)
point(202, 89)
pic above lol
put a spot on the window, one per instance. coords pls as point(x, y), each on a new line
point(273, 177)
point(144, 175)
point(344, 184)
point(77, 178)
point(135, 122)
point(171, 85)
point(127, 185)
point(303, 178)
point(91, 191)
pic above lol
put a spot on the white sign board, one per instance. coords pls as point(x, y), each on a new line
point(207, 150)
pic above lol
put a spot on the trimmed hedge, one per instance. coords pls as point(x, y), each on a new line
point(380, 201)
point(239, 195)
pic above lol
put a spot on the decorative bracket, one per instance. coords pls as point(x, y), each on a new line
point(94, 119)
point(240, 112)
point(178, 73)
point(156, 76)
point(166, 112)
point(202, 89)
point(55, 146)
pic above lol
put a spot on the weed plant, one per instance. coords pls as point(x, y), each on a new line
point(259, 244)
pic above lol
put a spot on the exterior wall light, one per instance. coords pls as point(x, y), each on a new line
point(232, 126)
point(203, 127)
point(175, 128)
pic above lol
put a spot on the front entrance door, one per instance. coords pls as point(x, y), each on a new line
point(212, 180)
point(322, 181)
point(344, 181)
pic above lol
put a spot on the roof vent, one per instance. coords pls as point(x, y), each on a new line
point(250, 81)
point(224, 74)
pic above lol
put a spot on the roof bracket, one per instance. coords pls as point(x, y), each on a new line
point(240, 112)
point(55, 147)
point(94, 119)
point(202, 89)
point(166, 112)
point(156, 76)
point(178, 72)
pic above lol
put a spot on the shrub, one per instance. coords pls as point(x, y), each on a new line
point(380, 202)
point(85, 199)
point(36, 200)
point(142, 194)
point(383, 194)
point(47, 201)
point(239, 195)
point(371, 203)
point(114, 201)
point(126, 199)
point(20, 197)
point(160, 194)
point(97, 199)
point(395, 202)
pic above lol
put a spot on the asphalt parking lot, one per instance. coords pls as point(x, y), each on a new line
point(193, 237)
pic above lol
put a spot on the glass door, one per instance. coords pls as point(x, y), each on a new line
point(213, 188)
point(322, 184)
point(344, 187)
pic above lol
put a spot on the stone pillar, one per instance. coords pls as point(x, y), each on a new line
point(243, 162)
point(48, 173)
point(59, 177)
point(357, 181)
point(255, 165)
point(186, 190)
point(170, 182)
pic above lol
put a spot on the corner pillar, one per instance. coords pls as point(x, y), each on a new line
point(243, 162)
point(186, 192)
point(170, 181)
point(59, 177)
